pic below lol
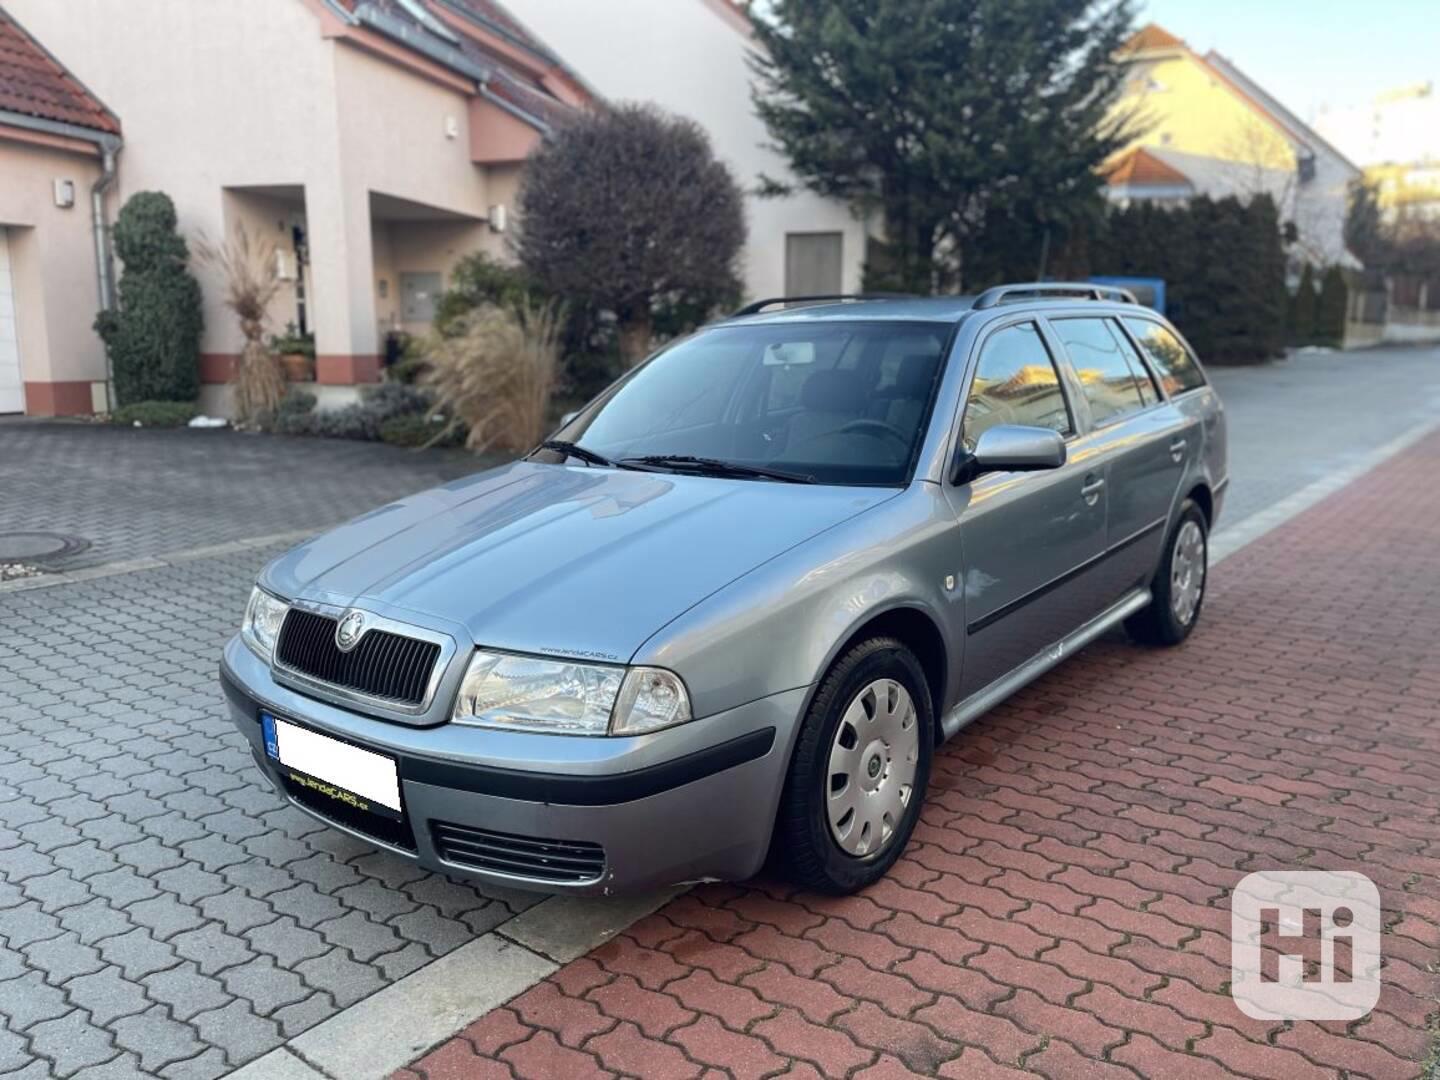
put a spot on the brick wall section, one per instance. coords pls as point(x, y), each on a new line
point(1063, 909)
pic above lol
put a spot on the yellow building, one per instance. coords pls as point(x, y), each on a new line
point(1203, 127)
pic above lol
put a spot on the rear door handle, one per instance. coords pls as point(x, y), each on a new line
point(1177, 449)
point(1091, 490)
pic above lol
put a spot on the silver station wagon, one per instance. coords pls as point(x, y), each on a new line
point(733, 606)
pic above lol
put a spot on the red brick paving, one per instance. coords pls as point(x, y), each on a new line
point(1063, 908)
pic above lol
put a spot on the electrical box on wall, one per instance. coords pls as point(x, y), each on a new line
point(497, 218)
point(65, 194)
point(284, 265)
point(452, 128)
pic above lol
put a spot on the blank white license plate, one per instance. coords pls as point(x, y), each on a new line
point(358, 778)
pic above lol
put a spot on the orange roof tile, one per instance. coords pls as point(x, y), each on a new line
point(1152, 36)
point(1139, 166)
point(34, 83)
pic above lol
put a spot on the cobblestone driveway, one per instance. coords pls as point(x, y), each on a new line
point(161, 910)
point(1063, 908)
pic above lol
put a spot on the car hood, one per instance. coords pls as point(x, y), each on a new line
point(561, 559)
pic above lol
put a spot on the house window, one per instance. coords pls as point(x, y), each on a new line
point(813, 263)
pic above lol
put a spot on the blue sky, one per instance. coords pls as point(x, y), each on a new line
point(1310, 53)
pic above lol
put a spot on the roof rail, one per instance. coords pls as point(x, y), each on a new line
point(760, 305)
point(1081, 290)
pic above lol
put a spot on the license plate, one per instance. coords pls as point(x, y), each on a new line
point(361, 779)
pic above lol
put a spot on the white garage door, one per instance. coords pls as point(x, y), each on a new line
point(12, 397)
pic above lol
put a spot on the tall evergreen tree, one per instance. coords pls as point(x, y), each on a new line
point(945, 116)
point(1330, 310)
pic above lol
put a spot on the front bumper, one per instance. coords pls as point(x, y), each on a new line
point(696, 801)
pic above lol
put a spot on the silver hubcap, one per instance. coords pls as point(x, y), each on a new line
point(871, 777)
point(1187, 572)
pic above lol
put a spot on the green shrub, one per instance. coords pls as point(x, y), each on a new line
point(292, 342)
point(364, 419)
point(1302, 309)
point(167, 414)
point(417, 429)
point(1330, 314)
point(153, 336)
point(1223, 262)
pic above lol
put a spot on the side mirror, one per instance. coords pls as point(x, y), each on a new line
point(1009, 448)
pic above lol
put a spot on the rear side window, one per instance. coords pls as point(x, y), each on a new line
point(1105, 369)
point(1178, 370)
point(1015, 383)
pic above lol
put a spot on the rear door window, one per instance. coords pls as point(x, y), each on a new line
point(1177, 367)
point(1105, 371)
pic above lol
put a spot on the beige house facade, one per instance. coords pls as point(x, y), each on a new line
point(376, 142)
point(692, 57)
point(55, 139)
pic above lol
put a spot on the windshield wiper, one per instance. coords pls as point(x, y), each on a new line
point(717, 467)
point(570, 449)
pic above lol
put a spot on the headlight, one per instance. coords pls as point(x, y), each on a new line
point(529, 693)
point(264, 616)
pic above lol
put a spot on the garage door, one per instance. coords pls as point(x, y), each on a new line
point(12, 398)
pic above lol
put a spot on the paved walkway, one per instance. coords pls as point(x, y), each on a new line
point(1063, 908)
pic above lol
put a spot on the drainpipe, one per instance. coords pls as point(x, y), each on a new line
point(109, 147)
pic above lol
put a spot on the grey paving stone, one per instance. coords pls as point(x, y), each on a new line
point(62, 958)
point(191, 883)
point(156, 1038)
point(165, 916)
point(324, 872)
point(14, 1054)
point(121, 1067)
point(55, 891)
point(265, 986)
point(361, 937)
point(204, 1066)
point(304, 1015)
point(236, 910)
point(122, 886)
point(308, 906)
point(107, 995)
point(27, 1000)
point(27, 923)
point(186, 991)
point(71, 1042)
point(94, 920)
point(238, 1032)
point(378, 900)
point(137, 953)
point(346, 980)
point(211, 948)
point(402, 962)
point(285, 940)
point(436, 932)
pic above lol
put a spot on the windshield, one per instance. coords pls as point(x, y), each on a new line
point(836, 402)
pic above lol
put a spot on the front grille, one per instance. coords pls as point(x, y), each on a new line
point(382, 665)
point(573, 861)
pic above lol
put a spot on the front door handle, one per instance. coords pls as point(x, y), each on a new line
point(1177, 449)
point(1091, 491)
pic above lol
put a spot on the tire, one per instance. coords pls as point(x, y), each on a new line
point(809, 844)
point(1172, 615)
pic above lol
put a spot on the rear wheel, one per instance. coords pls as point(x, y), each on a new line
point(860, 769)
point(1178, 589)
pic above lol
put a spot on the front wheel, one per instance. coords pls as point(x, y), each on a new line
point(1178, 590)
point(859, 771)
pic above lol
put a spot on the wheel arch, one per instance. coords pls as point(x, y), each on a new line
point(918, 630)
point(1202, 496)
